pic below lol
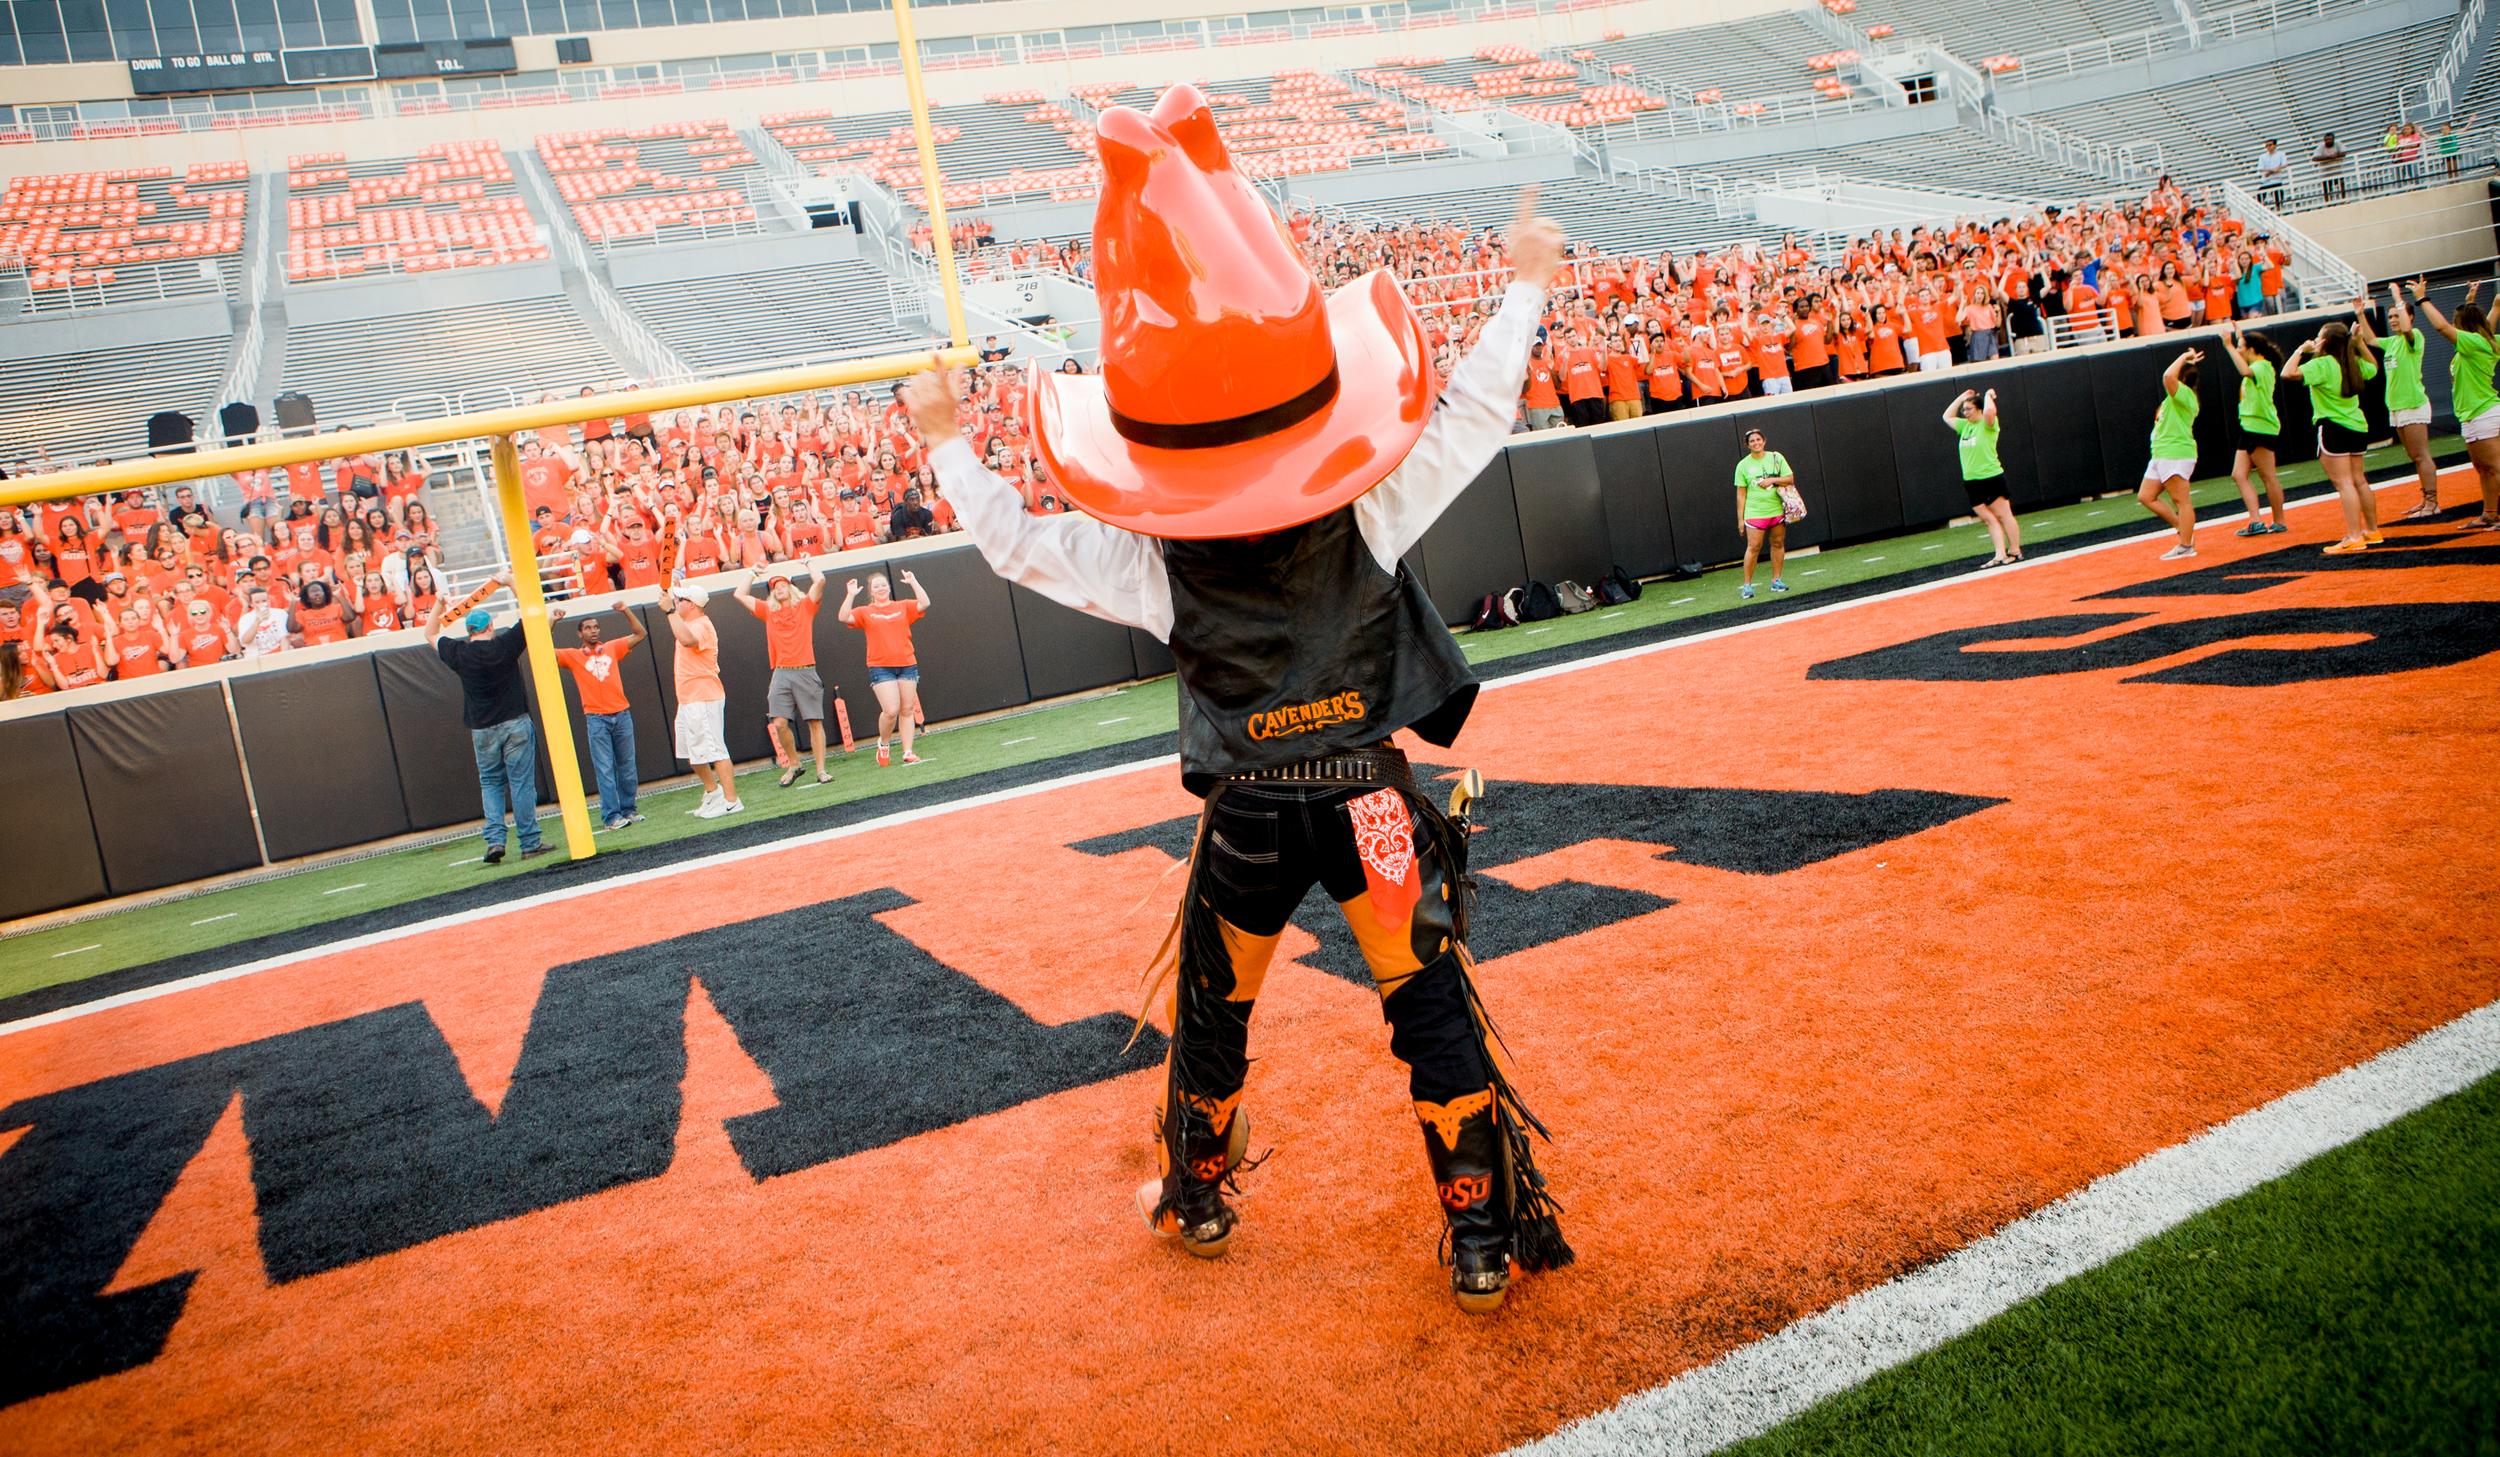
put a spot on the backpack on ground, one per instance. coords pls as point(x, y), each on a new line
point(1532, 602)
point(1572, 597)
point(1686, 571)
point(1618, 587)
point(1491, 612)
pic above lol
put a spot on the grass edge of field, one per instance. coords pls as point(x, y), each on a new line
point(2351, 1304)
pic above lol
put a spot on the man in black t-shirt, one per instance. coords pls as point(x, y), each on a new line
point(497, 713)
point(910, 518)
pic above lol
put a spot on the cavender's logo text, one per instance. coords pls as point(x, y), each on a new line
point(1301, 718)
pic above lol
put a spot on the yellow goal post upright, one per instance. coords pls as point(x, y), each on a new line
point(502, 427)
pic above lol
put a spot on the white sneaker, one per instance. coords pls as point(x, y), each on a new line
point(710, 798)
point(733, 806)
point(2178, 553)
point(712, 808)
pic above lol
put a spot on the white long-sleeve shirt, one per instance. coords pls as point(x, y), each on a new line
point(1118, 575)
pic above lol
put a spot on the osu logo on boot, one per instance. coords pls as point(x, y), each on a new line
point(1467, 1191)
point(1301, 718)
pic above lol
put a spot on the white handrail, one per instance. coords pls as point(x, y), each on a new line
point(2312, 263)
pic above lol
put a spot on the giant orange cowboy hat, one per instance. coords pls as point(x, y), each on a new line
point(1234, 397)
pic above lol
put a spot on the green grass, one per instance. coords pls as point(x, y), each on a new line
point(2352, 1306)
point(71, 952)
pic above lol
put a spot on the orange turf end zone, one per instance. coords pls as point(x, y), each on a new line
point(1774, 1093)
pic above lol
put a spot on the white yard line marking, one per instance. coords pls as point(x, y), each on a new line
point(1608, 616)
point(1044, 786)
point(1939, 546)
point(76, 950)
point(2091, 513)
point(1535, 630)
point(1754, 1388)
point(1811, 572)
point(1108, 722)
point(228, 916)
point(1680, 601)
point(472, 860)
point(1011, 743)
point(1873, 559)
point(344, 889)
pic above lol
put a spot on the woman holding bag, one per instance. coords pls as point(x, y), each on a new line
point(1766, 501)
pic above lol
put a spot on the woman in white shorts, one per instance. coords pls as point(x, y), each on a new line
point(2408, 403)
point(2473, 392)
point(2173, 464)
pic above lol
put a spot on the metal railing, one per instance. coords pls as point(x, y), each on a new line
point(2477, 154)
point(2315, 271)
point(2210, 28)
point(2439, 88)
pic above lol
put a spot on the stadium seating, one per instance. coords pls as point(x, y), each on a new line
point(453, 205)
point(1295, 122)
point(1742, 60)
point(68, 407)
point(126, 236)
point(1515, 79)
point(1614, 219)
point(1949, 161)
point(2212, 129)
point(358, 368)
point(990, 149)
point(742, 320)
point(665, 183)
point(1974, 29)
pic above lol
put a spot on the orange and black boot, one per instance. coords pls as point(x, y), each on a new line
point(1464, 1139)
point(1200, 1151)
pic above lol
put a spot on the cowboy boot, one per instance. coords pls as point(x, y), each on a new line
point(1186, 1201)
point(1464, 1140)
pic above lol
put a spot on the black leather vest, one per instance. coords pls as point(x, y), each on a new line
point(1295, 645)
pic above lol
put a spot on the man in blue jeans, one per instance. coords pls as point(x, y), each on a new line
point(497, 713)
point(607, 719)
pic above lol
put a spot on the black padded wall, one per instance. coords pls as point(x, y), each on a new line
point(163, 788)
point(1929, 453)
point(52, 856)
point(1635, 494)
point(1474, 548)
point(437, 769)
point(1154, 659)
point(1697, 461)
point(2062, 422)
point(967, 643)
point(1853, 434)
point(1067, 651)
point(640, 675)
point(1790, 431)
point(1561, 506)
point(2127, 393)
point(322, 770)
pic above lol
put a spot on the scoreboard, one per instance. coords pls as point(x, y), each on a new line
point(253, 70)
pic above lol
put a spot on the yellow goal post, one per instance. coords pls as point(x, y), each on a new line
point(502, 427)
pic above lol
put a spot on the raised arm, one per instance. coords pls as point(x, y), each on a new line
point(1474, 414)
point(850, 599)
point(1071, 558)
point(2231, 345)
point(2170, 376)
point(919, 594)
point(1953, 412)
point(635, 632)
point(2430, 311)
point(1988, 405)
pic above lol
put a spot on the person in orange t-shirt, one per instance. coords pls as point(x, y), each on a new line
point(797, 692)
point(893, 668)
point(1623, 380)
point(1584, 384)
point(1666, 382)
point(1540, 399)
point(1935, 350)
point(701, 740)
point(1883, 346)
point(607, 719)
point(1809, 350)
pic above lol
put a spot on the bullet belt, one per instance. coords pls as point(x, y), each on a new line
point(1379, 764)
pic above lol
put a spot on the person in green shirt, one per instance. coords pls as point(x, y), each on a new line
point(1761, 510)
point(2408, 403)
point(2260, 364)
point(2334, 366)
point(2473, 394)
point(1983, 474)
point(2174, 454)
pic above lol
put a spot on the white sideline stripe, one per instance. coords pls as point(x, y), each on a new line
point(228, 916)
point(1011, 743)
point(344, 889)
point(76, 950)
point(1754, 1388)
point(1000, 796)
point(472, 860)
point(1108, 722)
point(1680, 601)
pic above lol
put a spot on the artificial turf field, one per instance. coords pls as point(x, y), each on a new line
point(1827, 948)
